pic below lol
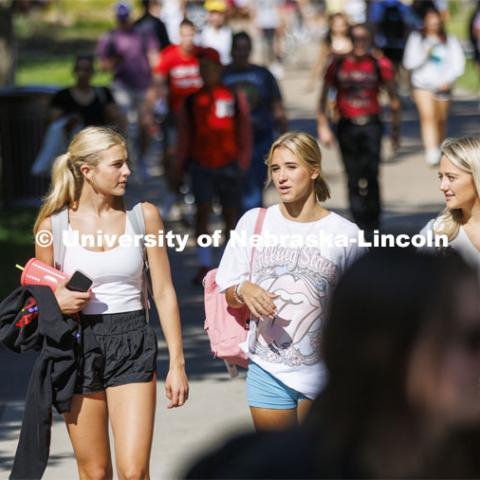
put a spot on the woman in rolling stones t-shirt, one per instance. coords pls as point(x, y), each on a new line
point(302, 250)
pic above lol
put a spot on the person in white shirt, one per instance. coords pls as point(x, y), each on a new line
point(290, 282)
point(459, 176)
point(216, 33)
point(435, 61)
point(117, 381)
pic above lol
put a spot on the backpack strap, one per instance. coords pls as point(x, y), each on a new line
point(341, 58)
point(137, 220)
point(59, 225)
point(257, 231)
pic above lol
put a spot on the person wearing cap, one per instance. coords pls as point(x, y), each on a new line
point(216, 33)
point(215, 138)
point(128, 54)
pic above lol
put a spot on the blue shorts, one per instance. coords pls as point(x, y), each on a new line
point(266, 391)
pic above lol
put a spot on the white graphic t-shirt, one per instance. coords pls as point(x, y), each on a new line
point(302, 275)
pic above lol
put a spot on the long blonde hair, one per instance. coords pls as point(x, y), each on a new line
point(305, 148)
point(67, 179)
point(463, 153)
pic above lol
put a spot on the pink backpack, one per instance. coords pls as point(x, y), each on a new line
point(227, 327)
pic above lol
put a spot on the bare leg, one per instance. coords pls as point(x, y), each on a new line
point(441, 109)
point(271, 419)
point(426, 111)
point(132, 412)
point(87, 425)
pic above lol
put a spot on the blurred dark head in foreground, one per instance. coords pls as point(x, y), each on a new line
point(402, 347)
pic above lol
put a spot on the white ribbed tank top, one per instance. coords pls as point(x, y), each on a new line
point(117, 274)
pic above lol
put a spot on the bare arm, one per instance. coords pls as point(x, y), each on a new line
point(244, 132)
point(165, 298)
point(258, 300)
point(68, 301)
point(395, 108)
point(325, 134)
point(319, 67)
point(279, 116)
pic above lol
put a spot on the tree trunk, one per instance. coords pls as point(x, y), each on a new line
point(7, 44)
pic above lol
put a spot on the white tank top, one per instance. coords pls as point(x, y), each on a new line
point(117, 274)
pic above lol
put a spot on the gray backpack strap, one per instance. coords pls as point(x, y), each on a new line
point(135, 216)
point(59, 225)
point(137, 220)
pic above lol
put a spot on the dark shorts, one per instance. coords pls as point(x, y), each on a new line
point(223, 183)
point(118, 348)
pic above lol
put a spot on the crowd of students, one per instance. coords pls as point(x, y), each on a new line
point(368, 362)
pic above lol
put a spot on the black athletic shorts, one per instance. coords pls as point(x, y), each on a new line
point(116, 349)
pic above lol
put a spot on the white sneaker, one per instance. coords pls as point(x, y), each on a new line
point(277, 70)
point(432, 157)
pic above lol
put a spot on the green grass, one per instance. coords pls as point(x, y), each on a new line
point(460, 12)
point(67, 19)
point(52, 70)
point(16, 246)
point(470, 80)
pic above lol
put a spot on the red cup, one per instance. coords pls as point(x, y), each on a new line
point(39, 273)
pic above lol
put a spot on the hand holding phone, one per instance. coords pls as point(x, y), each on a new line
point(79, 282)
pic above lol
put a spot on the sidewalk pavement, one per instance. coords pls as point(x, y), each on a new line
point(217, 404)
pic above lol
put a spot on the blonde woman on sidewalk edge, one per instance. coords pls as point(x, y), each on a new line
point(459, 176)
point(289, 285)
point(117, 381)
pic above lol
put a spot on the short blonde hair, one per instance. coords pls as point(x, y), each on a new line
point(306, 149)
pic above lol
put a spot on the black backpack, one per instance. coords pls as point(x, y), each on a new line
point(392, 25)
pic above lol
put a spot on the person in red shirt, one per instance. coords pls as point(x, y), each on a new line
point(174, 78)
point(358, 78)
point(215, 139)
point(177, 69)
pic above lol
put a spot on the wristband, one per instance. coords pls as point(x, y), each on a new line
point(236, 294)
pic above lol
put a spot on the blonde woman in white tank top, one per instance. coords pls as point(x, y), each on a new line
point(118, 379)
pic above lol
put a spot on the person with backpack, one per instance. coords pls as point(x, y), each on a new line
point(358, 78)
point(392, 20)
point(116, 383)
point(435, 61)
point(298, 259)
point(267, 112)
point(129, 54)
point(215, 143)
